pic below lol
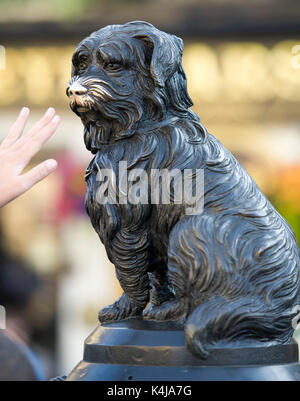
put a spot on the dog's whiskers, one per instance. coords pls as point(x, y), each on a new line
point(100, 93)
point(105, 87)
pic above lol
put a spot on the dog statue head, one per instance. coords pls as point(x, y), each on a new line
point(126, 77)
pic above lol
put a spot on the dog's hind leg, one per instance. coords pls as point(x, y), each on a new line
point(161, 291)
point(188, 267)
point(129, 253)
point(177, 306)
point(245, 321)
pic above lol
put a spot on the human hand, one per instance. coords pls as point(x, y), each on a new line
point(17, 150)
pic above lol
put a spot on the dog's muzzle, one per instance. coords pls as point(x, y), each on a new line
point(76, 94)
point(76, 89)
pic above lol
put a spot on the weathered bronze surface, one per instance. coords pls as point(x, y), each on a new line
point(229, 274)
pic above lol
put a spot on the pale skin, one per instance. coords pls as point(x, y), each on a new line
point(17, 150)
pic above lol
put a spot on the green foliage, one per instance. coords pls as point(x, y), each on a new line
point(290, 215)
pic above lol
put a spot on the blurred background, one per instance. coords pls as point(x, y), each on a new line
point(243, 66)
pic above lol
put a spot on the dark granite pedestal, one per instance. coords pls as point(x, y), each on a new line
point(142, 350)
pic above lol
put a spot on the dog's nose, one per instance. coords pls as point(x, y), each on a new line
point(76, 89)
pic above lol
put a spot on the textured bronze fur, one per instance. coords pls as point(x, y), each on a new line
point(231, 273)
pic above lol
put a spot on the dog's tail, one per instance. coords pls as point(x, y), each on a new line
point(222, 322)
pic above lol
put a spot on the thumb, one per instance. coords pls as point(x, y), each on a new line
point(38, 173)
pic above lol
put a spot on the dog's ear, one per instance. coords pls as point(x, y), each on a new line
point(166, 54)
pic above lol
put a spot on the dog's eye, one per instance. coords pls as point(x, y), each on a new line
point(81, 60)
point(113, 66)
point(82, 65)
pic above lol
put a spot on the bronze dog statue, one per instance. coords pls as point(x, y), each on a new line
point(230, 273)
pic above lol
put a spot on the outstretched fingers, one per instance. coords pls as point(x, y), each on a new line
point(17, 150)
point(34, 141)
point(43, 122)
point(37, 174)
point(17, 128)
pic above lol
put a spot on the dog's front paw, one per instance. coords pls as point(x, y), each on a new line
point(123, 308)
